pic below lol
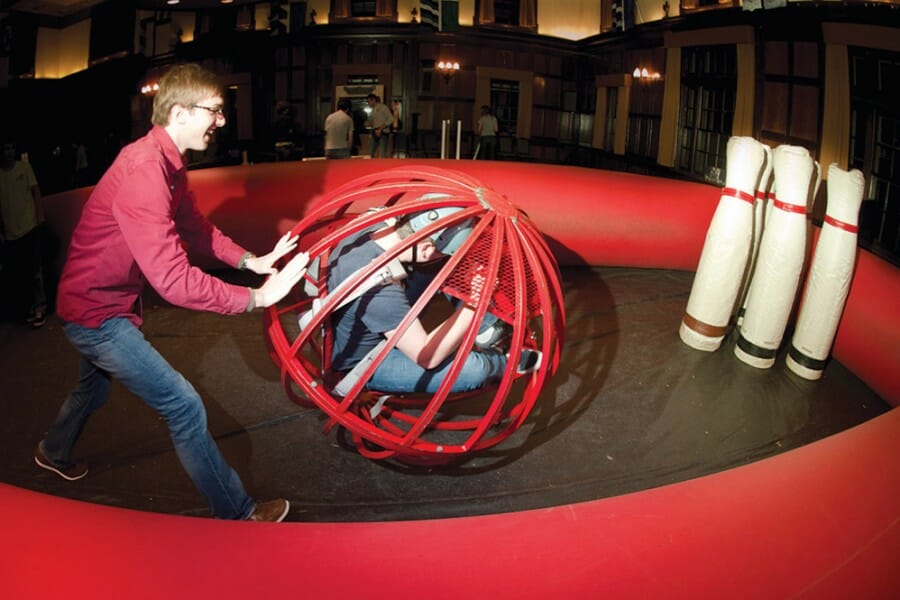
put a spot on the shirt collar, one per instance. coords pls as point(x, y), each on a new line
point(167, 145)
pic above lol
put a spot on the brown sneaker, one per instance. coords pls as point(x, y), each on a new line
point(273, 511)
point(70, 471)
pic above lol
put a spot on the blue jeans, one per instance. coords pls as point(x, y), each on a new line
point(118, 349)
point(398, 373)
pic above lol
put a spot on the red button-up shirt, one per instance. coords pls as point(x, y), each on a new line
point(131, 230)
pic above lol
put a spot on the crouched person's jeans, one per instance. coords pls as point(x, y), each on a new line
point(398, 373)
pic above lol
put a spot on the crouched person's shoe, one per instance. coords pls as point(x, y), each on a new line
point(67, 470)
point(530, 361)
point(494, 336)
point(273, 511)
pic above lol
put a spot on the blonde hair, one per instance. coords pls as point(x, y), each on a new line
point(186, 85)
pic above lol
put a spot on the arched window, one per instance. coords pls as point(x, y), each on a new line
point(343, 10)
point(507, 13)
point(362, 8)
point(708, 84)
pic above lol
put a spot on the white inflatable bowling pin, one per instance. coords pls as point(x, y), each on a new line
point(782, 251)
point(726, 249)
point(767, 210)
point(830, 275)
point(763, 191)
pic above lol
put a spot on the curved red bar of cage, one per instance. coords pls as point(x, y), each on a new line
point(503, 247)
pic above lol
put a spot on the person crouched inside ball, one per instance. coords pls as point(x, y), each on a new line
point(421, 358)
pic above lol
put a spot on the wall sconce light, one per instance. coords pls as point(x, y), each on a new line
point(448, 69)
point(149, 88)
point(645, 75)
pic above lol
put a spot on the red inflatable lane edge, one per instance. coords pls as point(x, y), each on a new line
point(820, 521)
point(813, 521)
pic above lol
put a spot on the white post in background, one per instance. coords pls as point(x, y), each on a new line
point(830, 275)
point(458, 137)
point(726, 249)
point(444, 125)
point(782, 252)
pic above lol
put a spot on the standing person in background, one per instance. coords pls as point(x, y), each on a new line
point(133, 229)
point(381, 120)
point(20, 239)
point(487, 128)
point(339, 131)
point(397, 123)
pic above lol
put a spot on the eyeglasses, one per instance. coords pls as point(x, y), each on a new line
point(213, 110)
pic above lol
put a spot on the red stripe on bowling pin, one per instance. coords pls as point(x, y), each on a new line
point(841, 225)
point(787, 206)
point(739, 194)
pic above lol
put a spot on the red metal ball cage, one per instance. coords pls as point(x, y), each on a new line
point(504, 247)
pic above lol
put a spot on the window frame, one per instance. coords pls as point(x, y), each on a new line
point(706, 110)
